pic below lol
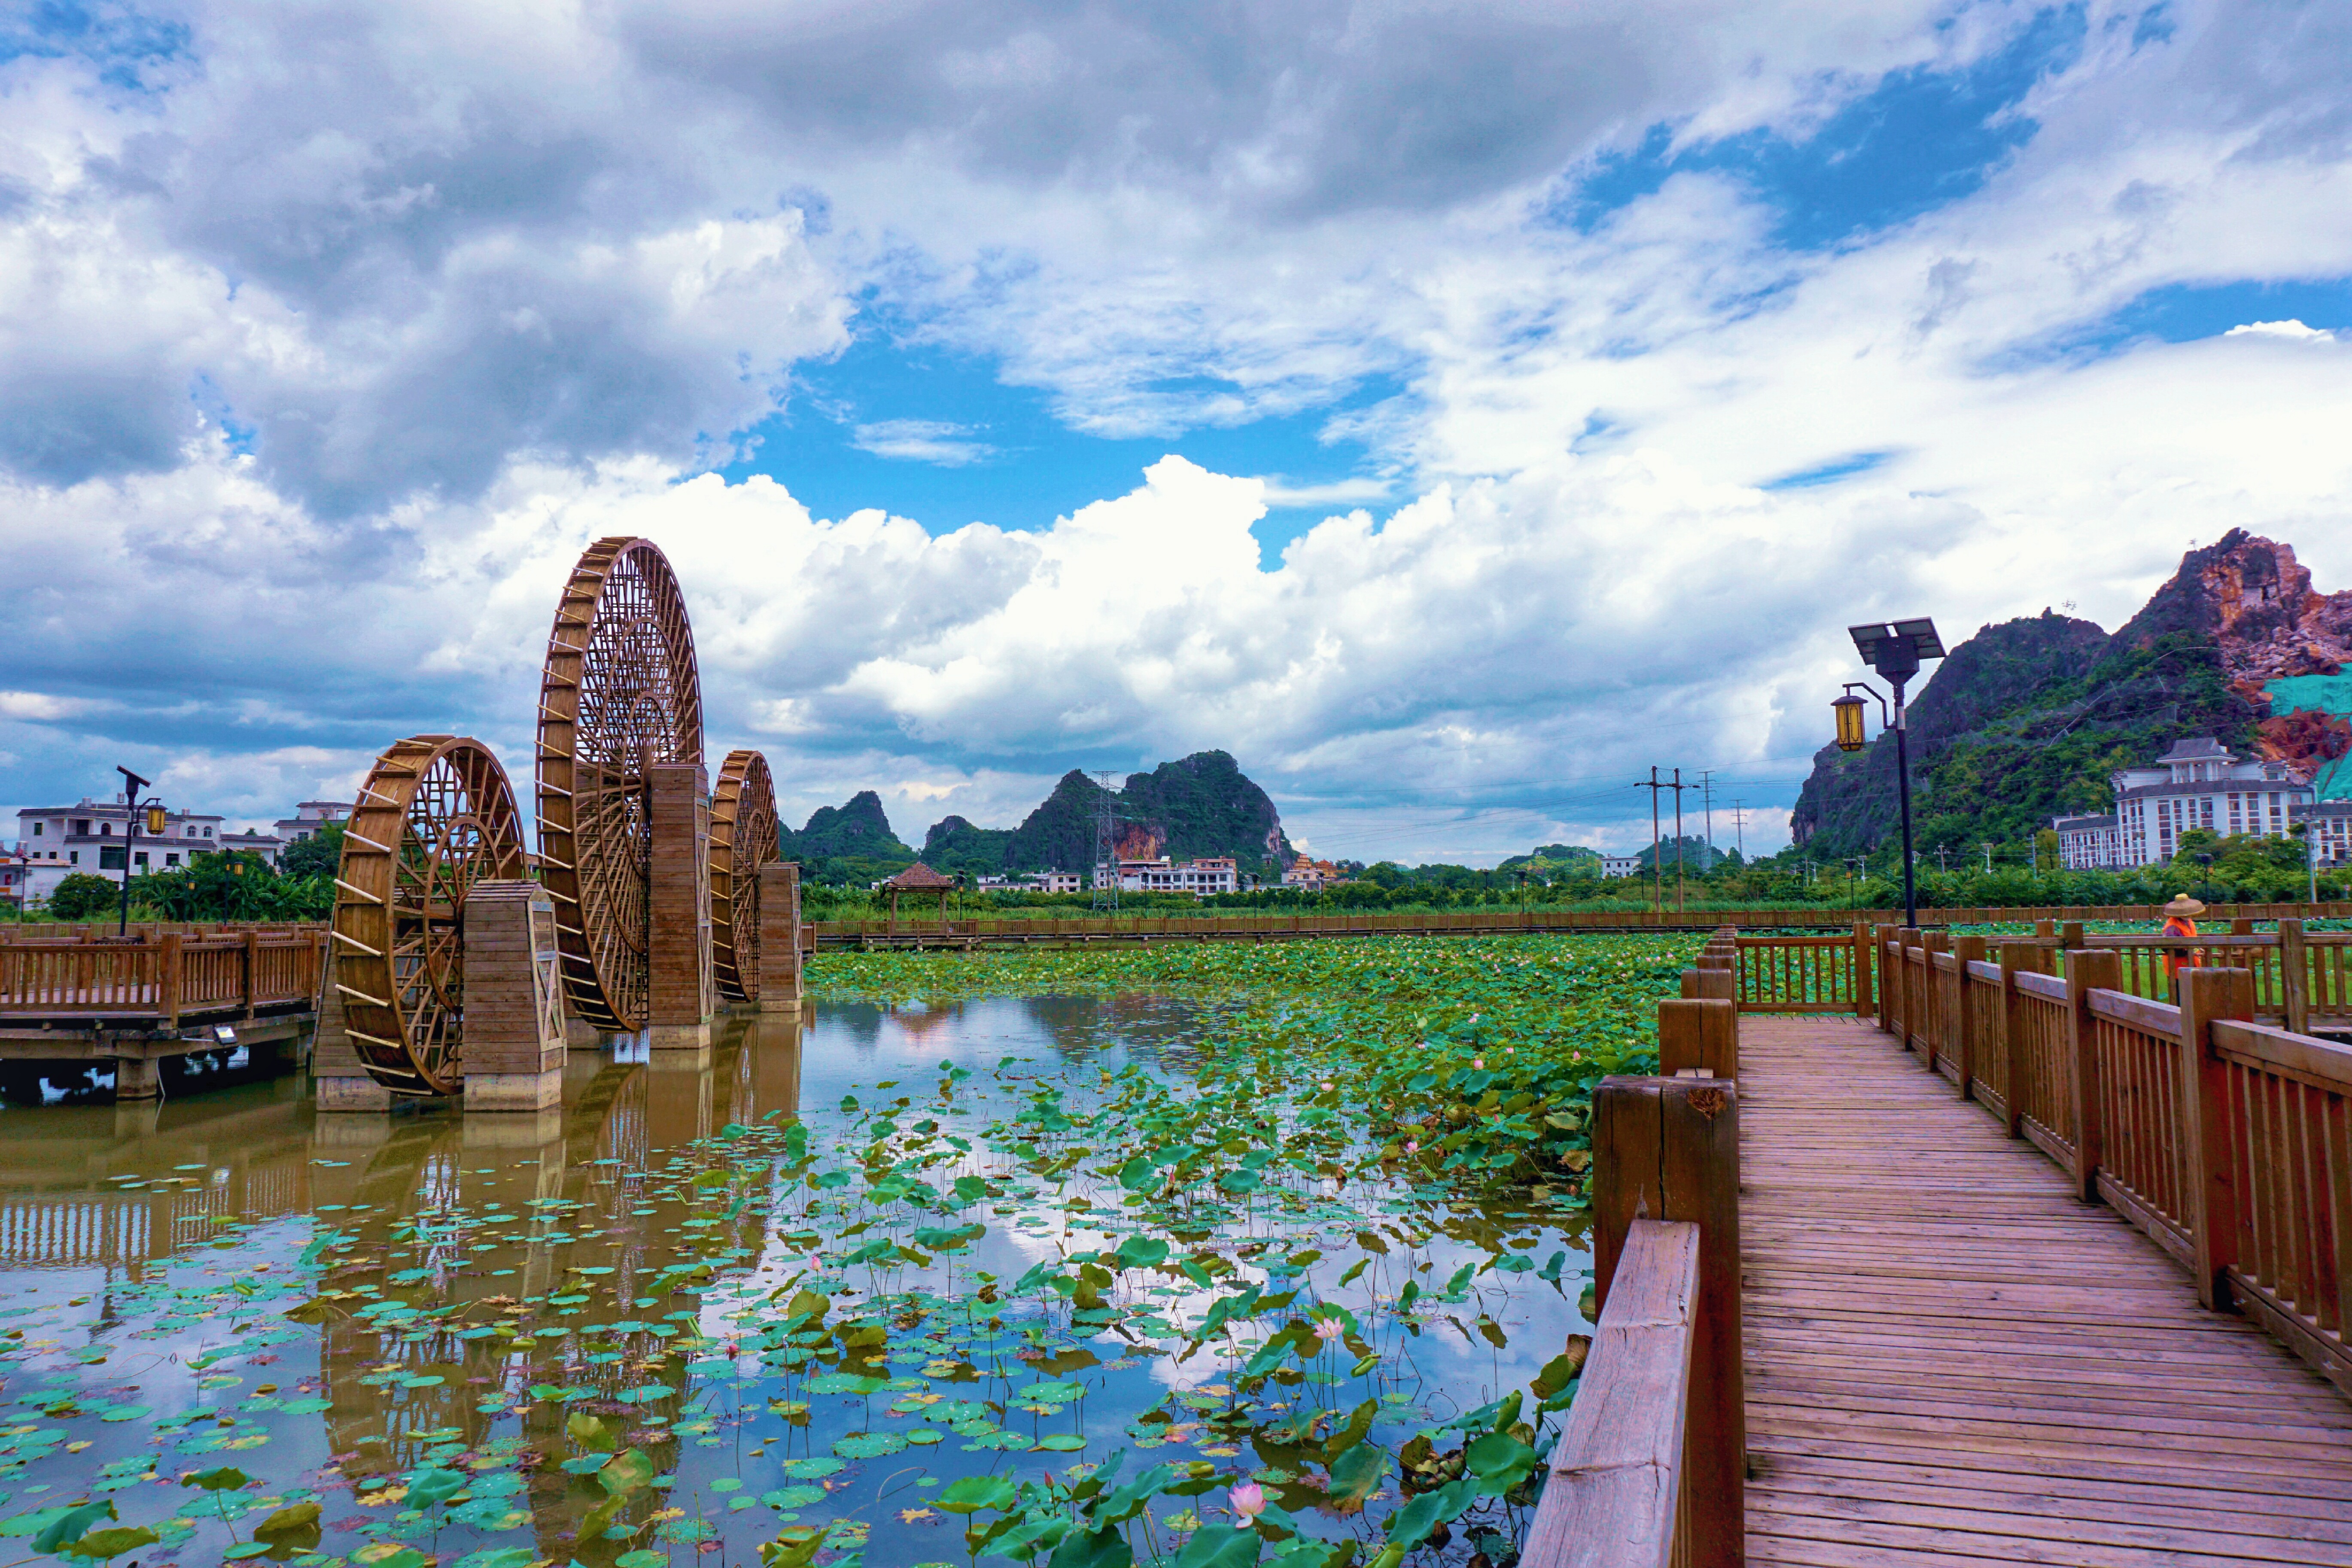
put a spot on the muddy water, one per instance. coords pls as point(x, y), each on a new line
point(440, 1329)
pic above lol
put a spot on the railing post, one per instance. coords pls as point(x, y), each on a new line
point(1890, 978)
point(252, 946)
point(1966, 950)
point(1702, 1034)
point(1931, 1020)
point(2087, 970)
point(167, 980)
point(2014, 956)
point(1668, 1149)
point(1865, 1004)
point(2294, 974)
point(2205, 1133)
point(1716, 983)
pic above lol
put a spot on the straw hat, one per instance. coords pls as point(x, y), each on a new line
point(2182, 904)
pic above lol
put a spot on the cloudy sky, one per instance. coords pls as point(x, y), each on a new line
point(1450, 409)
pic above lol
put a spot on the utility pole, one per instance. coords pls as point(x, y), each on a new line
point(1707, 796)
point(1943, 859)
point(1657, 893)
point(1988, 849)
point(1739, 829)
point(1106, 846)
point(1678, 786)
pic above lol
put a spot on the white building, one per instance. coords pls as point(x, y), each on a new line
point(2089, 842)
point(1053, 882)
point(2200, 784)
point(309, 817)
point(1200, 878)
point(59, 841)
point(2330, 826)
point(1621, 865)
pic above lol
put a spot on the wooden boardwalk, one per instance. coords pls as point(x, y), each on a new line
point(1953, 1360)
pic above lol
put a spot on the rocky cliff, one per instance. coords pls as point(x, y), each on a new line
point(2026, 720)
point(1200, 804)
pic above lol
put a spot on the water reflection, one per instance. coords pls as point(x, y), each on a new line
point(477, 1287)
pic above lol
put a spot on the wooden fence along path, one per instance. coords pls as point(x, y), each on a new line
point(2043, 1271)
point(159, 979)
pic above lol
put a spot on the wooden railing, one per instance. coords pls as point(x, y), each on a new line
point(161, 980)
point(1652, 1469)
point(2227, 1140)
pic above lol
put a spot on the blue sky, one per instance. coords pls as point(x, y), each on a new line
point(1648, 346)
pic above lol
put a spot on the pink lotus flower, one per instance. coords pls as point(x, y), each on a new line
point(1330, 1328)
point(1412, 1145)
point(1248, 1502)
point(1478, 1062)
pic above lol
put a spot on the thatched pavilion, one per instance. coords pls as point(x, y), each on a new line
point(922, 879)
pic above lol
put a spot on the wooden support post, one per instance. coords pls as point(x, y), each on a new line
point(1707, 983)
point(2211, 1196)
point(1668, 1148)
point(1890, 978)
point(2070, 936)
point(1701, 1034)
point(1864, 1003)
point(252, 942)
point(2014, 956)
point(1966, 950)
point(2294, 974)
point(167, 980)
point(683, 992)
point(781, 986)
point(2087, 970)
point(513, 999)
point(1931, 1017)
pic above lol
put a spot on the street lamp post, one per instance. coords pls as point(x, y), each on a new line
point(132, 807)
point(1896, 653)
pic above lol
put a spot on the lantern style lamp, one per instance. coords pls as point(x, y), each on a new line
point(1850, 710)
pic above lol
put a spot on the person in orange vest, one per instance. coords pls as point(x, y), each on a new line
point(2179, 921)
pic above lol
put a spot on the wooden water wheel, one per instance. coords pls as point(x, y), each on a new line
point(742, 839)
point(620, 693)
point(435, 816)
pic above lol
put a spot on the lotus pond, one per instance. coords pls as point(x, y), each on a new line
point(1213, 1255)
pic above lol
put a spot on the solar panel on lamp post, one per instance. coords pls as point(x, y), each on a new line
point(1895, 652)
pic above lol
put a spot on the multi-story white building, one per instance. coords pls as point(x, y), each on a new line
point(1053, 882)
point(58, 841)
point(2200, 784)
point(1210, 874)
point(2329, 823)
point(1621, 865)
point(2089, 842)
point(309, 817)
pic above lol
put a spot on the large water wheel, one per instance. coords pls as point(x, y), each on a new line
point(742, 839)
point(435, 816)
point(620, 693)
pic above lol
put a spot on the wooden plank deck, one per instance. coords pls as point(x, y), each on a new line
point(1953, 1360)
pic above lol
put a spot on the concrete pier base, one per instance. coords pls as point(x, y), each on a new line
point(514, 1091)
point(678, 1036)
point(342, 1095)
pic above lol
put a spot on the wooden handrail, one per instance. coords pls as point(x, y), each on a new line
point(1616, 1497)
point(161, 978)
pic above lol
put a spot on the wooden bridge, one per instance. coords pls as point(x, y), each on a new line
point(2043, 1272)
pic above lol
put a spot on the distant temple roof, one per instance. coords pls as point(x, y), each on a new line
point(918, 877)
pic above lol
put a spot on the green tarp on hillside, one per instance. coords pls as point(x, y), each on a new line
point(2326, 694)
